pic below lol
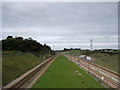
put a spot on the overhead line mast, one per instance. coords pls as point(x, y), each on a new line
point(91, 45)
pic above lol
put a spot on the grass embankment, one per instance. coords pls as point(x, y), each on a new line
point(65, 74)
point(103, 59)
point(0, 70)
point(106, 60)
point(74, 52)
point(16, 65)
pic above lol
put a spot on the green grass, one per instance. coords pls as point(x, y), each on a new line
point(73, 52)
point(62, 74)
point(103, 59)
point(0, 71)
point(16, 65)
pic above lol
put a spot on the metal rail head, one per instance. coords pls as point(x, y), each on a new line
point(96, 72)
point(22, 81)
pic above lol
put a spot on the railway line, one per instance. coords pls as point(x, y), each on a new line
point(103, 74)
point(30, 78)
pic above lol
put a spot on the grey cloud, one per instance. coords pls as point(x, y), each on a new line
point(54, 23)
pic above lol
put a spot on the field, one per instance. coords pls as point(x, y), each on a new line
point(65, 74)
point(103, 59)
point(16, 65)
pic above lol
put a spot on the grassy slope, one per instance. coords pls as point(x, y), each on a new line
point(105, 60)
point(74, 52)
point(62, 74)
point(0, 71)
point(15, 65)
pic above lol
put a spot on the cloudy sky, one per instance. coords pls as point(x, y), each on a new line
point(63, 24)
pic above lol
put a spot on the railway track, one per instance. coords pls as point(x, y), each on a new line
point(25, 80)
point(105, 75)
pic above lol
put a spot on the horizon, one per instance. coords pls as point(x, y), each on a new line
point(63, 25)
point(67, 47)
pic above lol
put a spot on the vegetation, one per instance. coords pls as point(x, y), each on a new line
point(20, 55)
point(106, 57)
point(25, 45)
point(74, 52)
point(0, 70)
point(65, 74)
point(65, 49)
point(15, 65)
point(106, 60)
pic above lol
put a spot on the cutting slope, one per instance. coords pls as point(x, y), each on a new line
point(103, 59)
point(15, 65)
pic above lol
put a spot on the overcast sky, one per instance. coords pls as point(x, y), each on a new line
point(63, 25)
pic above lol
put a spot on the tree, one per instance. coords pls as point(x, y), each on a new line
point(9, 37)
point(25, 45)
point(20, 38)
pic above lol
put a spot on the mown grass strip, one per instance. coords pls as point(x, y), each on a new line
point(65, 74)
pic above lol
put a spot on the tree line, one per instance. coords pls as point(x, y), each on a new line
point(25, 45)
point(67, 49)
point(104, 51)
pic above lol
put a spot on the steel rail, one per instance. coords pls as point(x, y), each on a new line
point(96, 73)
point(21, 82)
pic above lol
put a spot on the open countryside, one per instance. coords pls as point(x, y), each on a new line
point(63, 69)
point(59, 45)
